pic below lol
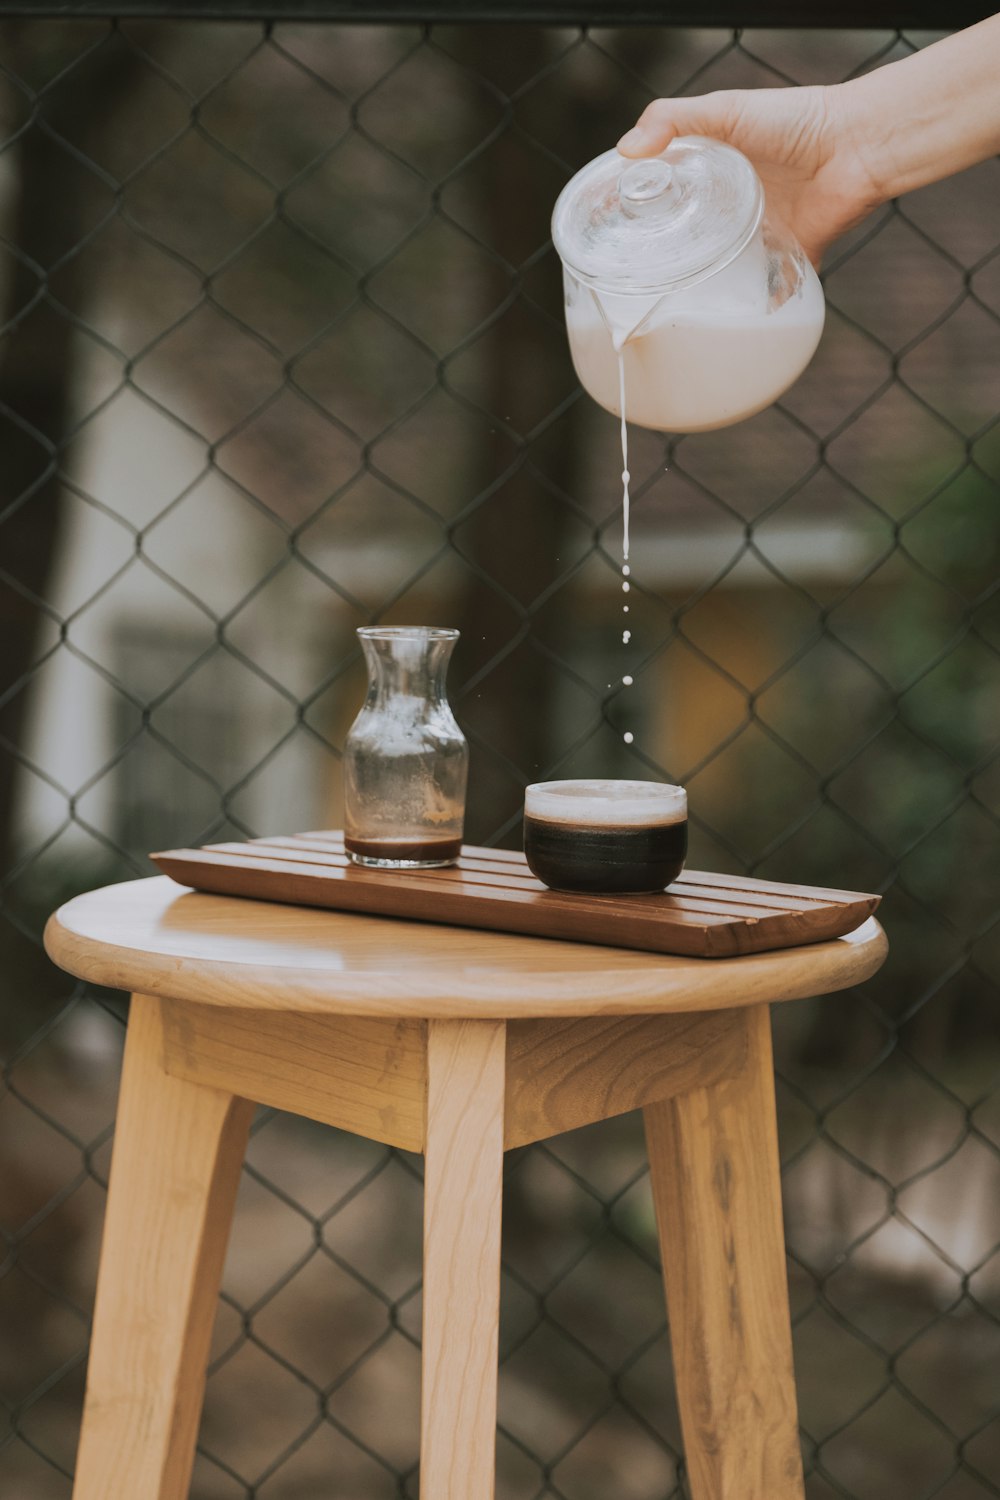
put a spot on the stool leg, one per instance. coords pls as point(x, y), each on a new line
point(174, 1173)
point(713, 1157)
point(462, 1194)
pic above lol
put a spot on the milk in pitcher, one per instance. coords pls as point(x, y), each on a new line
point(688, 371)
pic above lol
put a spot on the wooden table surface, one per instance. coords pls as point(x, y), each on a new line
point(154, 937)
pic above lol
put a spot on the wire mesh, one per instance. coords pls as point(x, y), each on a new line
point(283, 354)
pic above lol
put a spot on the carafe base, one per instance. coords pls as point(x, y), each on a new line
point(400, 864)
point(402, 854)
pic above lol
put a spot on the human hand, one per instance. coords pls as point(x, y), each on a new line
point(802, 142)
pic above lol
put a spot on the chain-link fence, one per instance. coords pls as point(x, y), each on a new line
point(283, 354)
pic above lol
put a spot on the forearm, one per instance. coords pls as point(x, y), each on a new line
point(929, 115)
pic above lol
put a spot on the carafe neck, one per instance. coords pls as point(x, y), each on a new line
point(407, 662)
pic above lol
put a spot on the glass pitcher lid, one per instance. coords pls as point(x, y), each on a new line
point(660, 223)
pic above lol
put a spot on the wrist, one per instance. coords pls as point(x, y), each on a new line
point(894, 142)
point(859, 145)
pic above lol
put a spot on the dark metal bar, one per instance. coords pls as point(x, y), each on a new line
point(910, 15)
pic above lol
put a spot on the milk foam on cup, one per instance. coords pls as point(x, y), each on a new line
point(606, 803)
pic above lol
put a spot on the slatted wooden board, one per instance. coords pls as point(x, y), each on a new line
point(700, 915)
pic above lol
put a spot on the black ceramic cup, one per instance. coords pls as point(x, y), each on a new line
point(626, 836)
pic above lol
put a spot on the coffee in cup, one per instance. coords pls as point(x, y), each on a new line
point(626, 836)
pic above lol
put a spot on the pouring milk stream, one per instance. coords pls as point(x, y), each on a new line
point(686, 309)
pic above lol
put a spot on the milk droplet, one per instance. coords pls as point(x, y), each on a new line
point(626, 586)
point(626, 637)
point(627, 681)
point(625, 609)
point(628, 736)
point(626, 569)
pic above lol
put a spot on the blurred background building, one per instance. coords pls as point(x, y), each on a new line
point(283, 354)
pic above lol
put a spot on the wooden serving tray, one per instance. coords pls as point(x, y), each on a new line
point(700, 915)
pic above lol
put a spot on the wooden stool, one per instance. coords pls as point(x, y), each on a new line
point(460, 1044)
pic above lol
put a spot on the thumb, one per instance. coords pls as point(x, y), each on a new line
point(664, 119)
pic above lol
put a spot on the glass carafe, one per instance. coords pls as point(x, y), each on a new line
point(405, 759)
point(682, 296)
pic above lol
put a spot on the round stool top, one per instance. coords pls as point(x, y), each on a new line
point(155, 938)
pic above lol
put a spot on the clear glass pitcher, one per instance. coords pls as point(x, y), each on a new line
point(405, 759)
point(682, 298)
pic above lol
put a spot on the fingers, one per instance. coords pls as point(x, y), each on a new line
point(656, 127)
point(664, 119)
